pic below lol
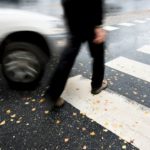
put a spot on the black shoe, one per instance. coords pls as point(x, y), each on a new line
point(99, 89)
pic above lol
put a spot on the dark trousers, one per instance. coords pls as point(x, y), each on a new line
point(67, 60)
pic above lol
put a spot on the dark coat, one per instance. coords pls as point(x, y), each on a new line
point(83, 15)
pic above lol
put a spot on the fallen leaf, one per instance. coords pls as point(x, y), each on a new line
point(81, 64)
point(20, 118)
point(97, 101)
point(120, 125)
point(83, 113)
point(83, 129)
point(18, 121)
point(33, 100)
point(46, 111)
point(105, 130)
point(132, 141)
point(124, 147)
point(92, 133)
point(58, 122)
point(26, 103)
point(142, 101)
point(11, 120)
point(106, 123)
point(146, 112)
point(84, 147)
point(33, 109)
point(135, 93)
point(42, 100)
point(66, 140)
point(13, 116)
point(2, 123)
point(28, 98)
point(74, 114)
point(8, 111)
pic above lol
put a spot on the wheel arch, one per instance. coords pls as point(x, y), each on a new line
point(26, 36)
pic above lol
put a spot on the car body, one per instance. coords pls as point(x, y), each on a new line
point(26, 43)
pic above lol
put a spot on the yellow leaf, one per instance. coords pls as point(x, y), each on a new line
point(33, 109)
point(18, 121)
point(83, 129)
point(92, 133)
point(58, 122)
point(26, 103)
point(66, 140)
point(42, 100)
point(11, 120)
point(46, 111)
point(2, 123)
point(105, 130)
point(13, 116)
point(74, 114)
point(84, 147)
point(8, 111)
point(33, 100)
point(124, 147)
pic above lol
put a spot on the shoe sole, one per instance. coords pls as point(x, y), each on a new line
point(103, 87)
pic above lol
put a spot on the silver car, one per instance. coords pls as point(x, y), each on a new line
point(26, 40)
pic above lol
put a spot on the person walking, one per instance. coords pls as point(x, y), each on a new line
point(84, 19)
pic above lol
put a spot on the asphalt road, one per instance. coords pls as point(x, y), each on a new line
point(87, 122)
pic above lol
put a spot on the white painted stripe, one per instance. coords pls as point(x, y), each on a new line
point(139, 21)
point(131, 67)
point(147, 18)
point(122, 116)
point(144, 49)
point(110, 28)
point(126, 24)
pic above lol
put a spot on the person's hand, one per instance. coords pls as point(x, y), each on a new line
point(100, 35)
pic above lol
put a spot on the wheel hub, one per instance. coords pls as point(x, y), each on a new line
point(21, 66)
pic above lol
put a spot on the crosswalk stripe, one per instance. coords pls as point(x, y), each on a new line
point(126, 24)
point(147, 18)
point(131, 67)
point(128, 119)
point(110, 28)
point(139, 21)
point(144, 49)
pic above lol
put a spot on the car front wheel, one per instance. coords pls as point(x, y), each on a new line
point(23, 64)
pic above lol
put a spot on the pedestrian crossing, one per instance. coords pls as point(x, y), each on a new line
point(123, 116)
point(128, 119)
point(126, 24)
point(131, 67)
point(110, 28)
point(144, 49)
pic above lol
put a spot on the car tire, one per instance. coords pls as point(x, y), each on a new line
point(23, 64)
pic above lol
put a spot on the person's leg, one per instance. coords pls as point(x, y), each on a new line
point(63, 69)
point(97, 52)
